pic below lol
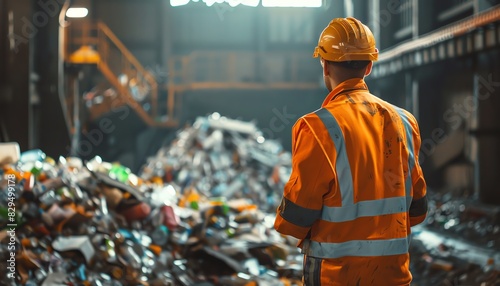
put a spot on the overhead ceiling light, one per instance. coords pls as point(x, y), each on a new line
point(292, 3)
point(77, 12)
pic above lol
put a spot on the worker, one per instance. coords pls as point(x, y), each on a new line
point(356, 186)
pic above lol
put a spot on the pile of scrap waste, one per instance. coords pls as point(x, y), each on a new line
point(200, 212)
point(458, 243)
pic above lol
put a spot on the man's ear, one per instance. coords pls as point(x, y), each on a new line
point(326, 66)
point(368, 69)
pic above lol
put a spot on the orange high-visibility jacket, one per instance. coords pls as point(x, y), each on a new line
point(355, 190)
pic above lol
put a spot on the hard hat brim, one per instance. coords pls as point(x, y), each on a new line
point(346, 56)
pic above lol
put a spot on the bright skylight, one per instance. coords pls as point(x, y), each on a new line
point(254, 3)
point(292, 3)
point(232, 3)
point(176, 3)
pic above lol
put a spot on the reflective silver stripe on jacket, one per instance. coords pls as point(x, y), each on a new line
point(383, 247)
point(411, 156)
point(342, 165)
point(364, 209)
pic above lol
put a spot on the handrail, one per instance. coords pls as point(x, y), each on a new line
point(135, 63)
point(445, 33)
point(130, 57)
point(118, 65)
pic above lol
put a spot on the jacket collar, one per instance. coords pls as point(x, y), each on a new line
point(348, 85)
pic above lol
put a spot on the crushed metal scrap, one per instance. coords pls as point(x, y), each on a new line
point(201, 212)
point(458, 244)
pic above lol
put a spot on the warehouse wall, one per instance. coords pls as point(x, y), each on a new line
point(3, 41)
point(50, 132)
point(274, 112)
point(486, 131)
point(459, 125)
point(30, 110)
point(14, 80)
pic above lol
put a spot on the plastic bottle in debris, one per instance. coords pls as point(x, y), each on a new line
point(28, 180)
point(32, 156)
point(119, 173)
point(222, 203)
point(190, 199)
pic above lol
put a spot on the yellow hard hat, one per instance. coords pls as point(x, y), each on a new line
point(346, 39)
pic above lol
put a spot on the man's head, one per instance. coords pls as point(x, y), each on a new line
point(347, 50)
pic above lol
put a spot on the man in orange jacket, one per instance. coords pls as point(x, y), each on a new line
point(356, 186)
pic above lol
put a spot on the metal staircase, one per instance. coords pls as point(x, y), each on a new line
point(93, 43)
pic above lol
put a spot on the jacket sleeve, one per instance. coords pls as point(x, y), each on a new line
point(303, 194)
point(418, 207)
